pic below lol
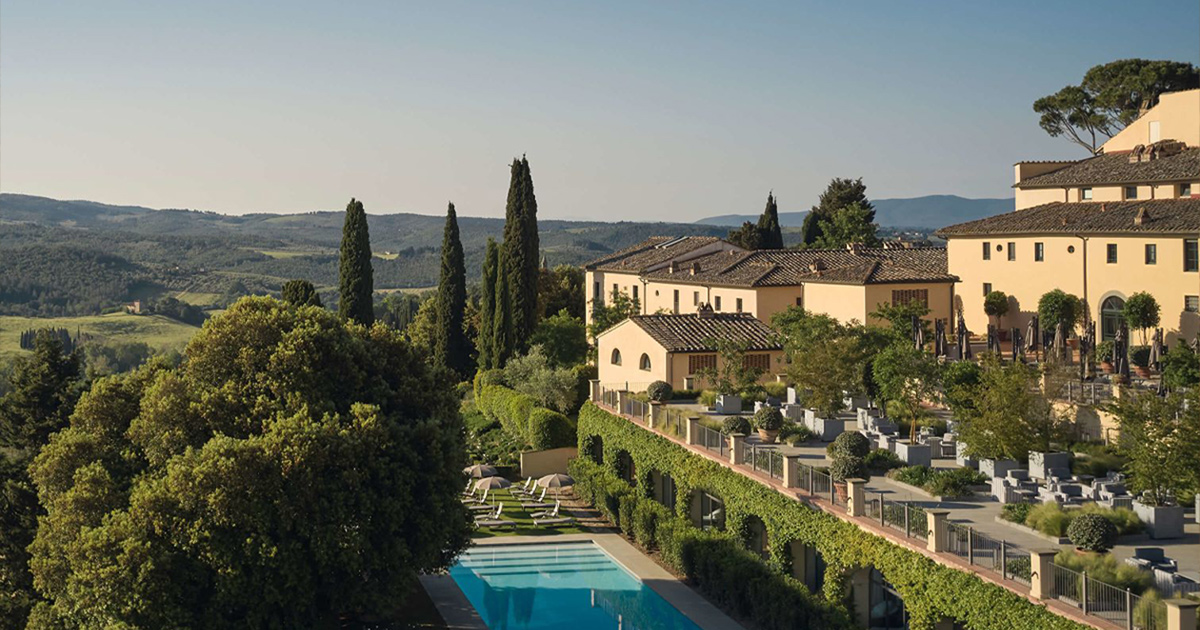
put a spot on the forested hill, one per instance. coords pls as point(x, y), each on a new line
point(80, 257)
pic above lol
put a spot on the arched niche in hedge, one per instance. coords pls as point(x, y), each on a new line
point(593, 448)
point(663, 489)
point(707, 510)
point(753, 532)
point(625, 467)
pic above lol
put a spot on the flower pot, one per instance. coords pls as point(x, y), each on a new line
point(839, 489)
point(1107, 367)
point(768, 436)
point(1143, 372)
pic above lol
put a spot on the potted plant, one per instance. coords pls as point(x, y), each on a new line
point(1104, 352)
point(846, 467)
point(768, 421)
point(1139, 358)
point(995, 304)
point(735, 425)
point(1092, 533)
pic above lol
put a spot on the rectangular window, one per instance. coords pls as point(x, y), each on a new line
point(717, 303)
point(1039, 252)
point(698, 362)
point(987, 288)
point(1085, 194)
point(987, 250)
point(739, 305)
point(675, 304)
point(1191, 303)
point(1012, 250)
point(695, 298)
point(800, 302)
point(1131, 192)
point(1151, 254)
point(1191, 255)
point(597, 294)
point(1185, 190)
point(757, 362)
point(908, 296)
point(1111, 253)
point(712, 512)
point(616, 289)
point(635, 292)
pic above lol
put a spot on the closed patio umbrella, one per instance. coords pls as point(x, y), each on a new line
point(1031, 334)
point(479, 471)
point(492, 483)
point(1060, 341)
point(918, 332)
point(939, 338)
point(1156, 348)
point(1017, 343)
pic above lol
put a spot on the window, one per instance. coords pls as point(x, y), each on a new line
point(1085, 194)
point(757, 362)
point(1185, 190)
point(635, 293)
point(739, 305)
point(1039, 252)
point(675, 303)
point(1155, 129)
point(909, 296)
point(1012, 250)
point(1111, 253)
point(987, 250)
point(695, 298)
point(717, 303)
point(664, 489)
point(712, 512)
point(616, 357)
point(800, 302)
point(644, 363)
point(886, 607)
point(597, 295)
point(701, 362)
point(1191, 255)
point(1191, 303)
point(1151, 254)
point(1112, 315)
point(987, 288)
point(1131, 192)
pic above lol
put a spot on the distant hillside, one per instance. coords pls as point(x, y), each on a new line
point(930, 212)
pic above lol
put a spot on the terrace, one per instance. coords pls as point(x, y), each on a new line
point(960, 535)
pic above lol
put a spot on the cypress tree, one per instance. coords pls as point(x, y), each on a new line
point(487, 305)
point(770, 235)
point(521, 254)
point(450, 347)
point(502, 333)
point(301, 293)
point(356, 284)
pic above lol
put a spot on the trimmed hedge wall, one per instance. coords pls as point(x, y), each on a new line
point(520, 417)
point(930, 591)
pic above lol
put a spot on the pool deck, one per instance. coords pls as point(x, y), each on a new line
point(458, 613)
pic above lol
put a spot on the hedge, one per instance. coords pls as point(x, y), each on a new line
point(520, 417)
point(930, 591)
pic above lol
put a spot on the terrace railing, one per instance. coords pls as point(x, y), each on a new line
point(1086, 393)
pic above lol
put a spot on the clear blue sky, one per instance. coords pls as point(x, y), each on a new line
point(626, 110)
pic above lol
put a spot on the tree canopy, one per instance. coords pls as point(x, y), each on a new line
point(296, 471)
point(765, 234)
point(301, 293)
point(851, 224)
point(356, 283)
point(521, 256)
point(839, 194)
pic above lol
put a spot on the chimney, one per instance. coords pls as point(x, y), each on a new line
point(695, 268)
point(1141, 217)
point(817, 266)
point(854, 248)
point(704, 311)
point(1103, 207)
point(674, 266)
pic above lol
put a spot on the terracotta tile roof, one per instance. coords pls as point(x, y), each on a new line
point(1116, 169)
point(652, 251)
point(694, 333)
point(1160, 216)
point(787, 267)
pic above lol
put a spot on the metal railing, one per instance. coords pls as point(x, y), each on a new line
point(1086, 393)
point(715, 441)
point(674, 423)
point(1115, 605)
point(763, 460)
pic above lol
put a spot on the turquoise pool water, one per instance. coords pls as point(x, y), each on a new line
point(565, 585)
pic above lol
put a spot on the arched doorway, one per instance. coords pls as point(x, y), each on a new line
point(595, 449)
point(754, 532)
point(625, 468)
point(1111, 317)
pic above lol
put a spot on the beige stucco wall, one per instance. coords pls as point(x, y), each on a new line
point(632, 341)
point(1028, 198)
point(762, 302)
point(940, 299)
point(1025, 280)
point(679, 368)
point(625, 283)
point(1178, 117)
point(547, 462)
point(843, 302)
point(1037, 196)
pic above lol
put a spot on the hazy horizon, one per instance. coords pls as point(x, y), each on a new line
point(626, 111)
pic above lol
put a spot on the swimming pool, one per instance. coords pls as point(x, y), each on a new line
point(560, 585)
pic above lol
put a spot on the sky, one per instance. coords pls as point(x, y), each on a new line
point(626, 110)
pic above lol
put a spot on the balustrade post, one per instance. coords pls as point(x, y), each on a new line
point(907, 522)
point(1041, 573)
point(594, 389)
point(882, 518)
point(1181, 614)
point(1083, 597)
point(692, 434)
point(657, 409)
point(1128, 609)
point(1004, 559)
point(856, 504)
point(621, 397)
point(736, 441)
point(936, 520)
point(970, 545)
point(811, 476)
point(791, 471)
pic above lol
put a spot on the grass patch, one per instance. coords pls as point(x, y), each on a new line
point(289, 253)
point(198, 298)
point(158, 332)
point(525, 527)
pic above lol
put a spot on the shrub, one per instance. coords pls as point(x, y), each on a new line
point(1048, 518)
point(1105, 568)
point(793, 433)
point(484, 378)
point(685, 394)
point(521, 418)
point(1140, 356)
point(953, 483)
point(1015, 512)
point(1124, 519)
point(850, 443)
point(549, 429)
point(848, 467)
point(1092, 532)
point(659, 391)
point(707, 398)
point(735, 424)
point(882, 460)
point(1104, 351)
point(776, 389)
point(768, 419)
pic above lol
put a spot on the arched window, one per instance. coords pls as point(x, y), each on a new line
point(645, 362)
point(1111, 317)
point(616, 357)
point(755, 535)
point(626, 469)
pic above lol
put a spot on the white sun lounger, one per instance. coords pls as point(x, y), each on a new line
point(553, 522)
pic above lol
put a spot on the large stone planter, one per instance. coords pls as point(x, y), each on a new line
point(791, 396)
point(1161, 521)
point(826, 428)
point(960, 456)
point(856, 401)
point(914, 454)
point(728, 404)
point(997, 467)
point(1040, 464)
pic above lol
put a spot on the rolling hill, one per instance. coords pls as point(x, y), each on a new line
point(928, 212)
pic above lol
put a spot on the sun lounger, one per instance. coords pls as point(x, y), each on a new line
point(525, 489)
point(496, 524)
point(551, 513)
point(539, 504)
point(491, 514)
point(553, 522)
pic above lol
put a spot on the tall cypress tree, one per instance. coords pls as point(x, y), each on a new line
point(356, 283)
point(487, 305)
point(502, 332)
point(521, 254)
point(450, 347)
point(770, 236)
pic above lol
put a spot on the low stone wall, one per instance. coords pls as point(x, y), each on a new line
point(539, 463)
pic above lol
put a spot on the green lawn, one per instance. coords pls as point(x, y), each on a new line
point(290, 253)
point(197, 297)
point(154, 330)
point(525, 527)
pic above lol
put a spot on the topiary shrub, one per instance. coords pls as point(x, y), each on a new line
point(768, 419)
point(483, 378)
point(851, 443)
point(848, 467)
point(883, 460)
point(550, 429)
point(735, 424)
point(1015, 512)
point(659, 391)
point(1092, 532)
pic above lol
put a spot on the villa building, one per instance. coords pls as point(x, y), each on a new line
point(680, 275)
point(1102, 228)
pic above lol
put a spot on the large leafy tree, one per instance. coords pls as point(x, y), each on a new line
point(521, 254)
point(1111, 96)
point(561, 288)
point(1161, 435)
point(487, 306)
point(906, 377)
point(296, 471)
point(1009, 416)
point(356, 283)
point(1059, 307)
point(825, 357)
point(841, 193)
point(301, 293)
point(563, 339)
point(43, 394)
point(605, 315)
point(450, 346)
point(851, 224)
